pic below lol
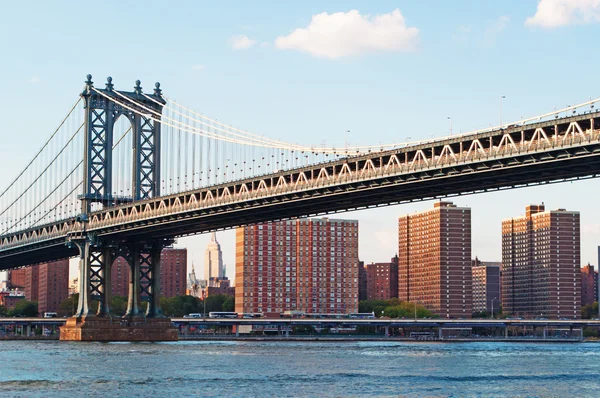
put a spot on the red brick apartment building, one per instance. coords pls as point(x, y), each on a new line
point(47, 284)
point(434, 259)
point(589, 285)
point(541, 264)
point(308, 265)
point(173, 274)
point(382, 280)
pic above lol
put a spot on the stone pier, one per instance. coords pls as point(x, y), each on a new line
point(94, 328)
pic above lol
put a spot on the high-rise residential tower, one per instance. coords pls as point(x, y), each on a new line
point(541, 264)
point(589, 285)
point(382, 280)
point(46, 283)
point(434, 259)
point(486, 286)
point(308, 265)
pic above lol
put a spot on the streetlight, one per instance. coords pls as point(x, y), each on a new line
point(449, 118)
point(501, 98)
point(346, 142)
point(495, 298)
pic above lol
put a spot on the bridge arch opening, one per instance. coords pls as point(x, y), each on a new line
point(122, 158)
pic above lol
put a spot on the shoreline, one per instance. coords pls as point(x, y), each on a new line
point(330, 339)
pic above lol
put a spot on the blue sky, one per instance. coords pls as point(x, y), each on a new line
point(383, 74)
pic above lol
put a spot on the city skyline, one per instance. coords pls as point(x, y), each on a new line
point(314, 198)
point(362, 96)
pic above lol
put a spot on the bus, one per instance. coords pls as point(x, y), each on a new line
point(50, 314)
point(214, 314)
point(253, 315)
point(292, 314)
point(362, 315)
point(193, 315)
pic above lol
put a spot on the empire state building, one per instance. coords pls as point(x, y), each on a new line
point(213, 259)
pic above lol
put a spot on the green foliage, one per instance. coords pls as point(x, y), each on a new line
point(229, 304)
point(118, 305)
point(172, 306)
point(304, 329)
point(3, 311)
point(481, 314)
point(215, 302)
point(25, 308)
point(591, 332)
point(180, 305)
point(394, 308)
point(589, 311)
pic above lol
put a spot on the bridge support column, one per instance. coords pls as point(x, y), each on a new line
point(134, 282)
point(105, 288)
point(153, 290)
point(95, 282)
point(84, 279)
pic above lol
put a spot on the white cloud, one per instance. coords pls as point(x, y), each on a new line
point(34, 80)
point(198, 67)
point(241, 42)
point(554, 13)
point(349, 34)
point(494, 29)
point(265, 44)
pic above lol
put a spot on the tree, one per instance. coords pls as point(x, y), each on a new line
point(229, 304)
point(118, 305)
point(180, 305)
point(394, 308)
point(3, 311)
point(68, 305)
point(215, 302)
point(589, 311)
point(25, 308)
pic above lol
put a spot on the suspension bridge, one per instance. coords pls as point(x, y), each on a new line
point(126, 172)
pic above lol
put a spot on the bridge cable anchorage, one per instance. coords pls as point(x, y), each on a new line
point(43, 147)
point(40, 174)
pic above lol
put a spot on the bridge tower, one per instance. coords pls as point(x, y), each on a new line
point(103, 107)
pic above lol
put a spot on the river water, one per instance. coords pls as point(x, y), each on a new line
point(192, 368)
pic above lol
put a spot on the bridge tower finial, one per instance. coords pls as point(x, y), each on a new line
point(89, 81)
point(157, 90)
point(138, 87)
point(109, 85)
